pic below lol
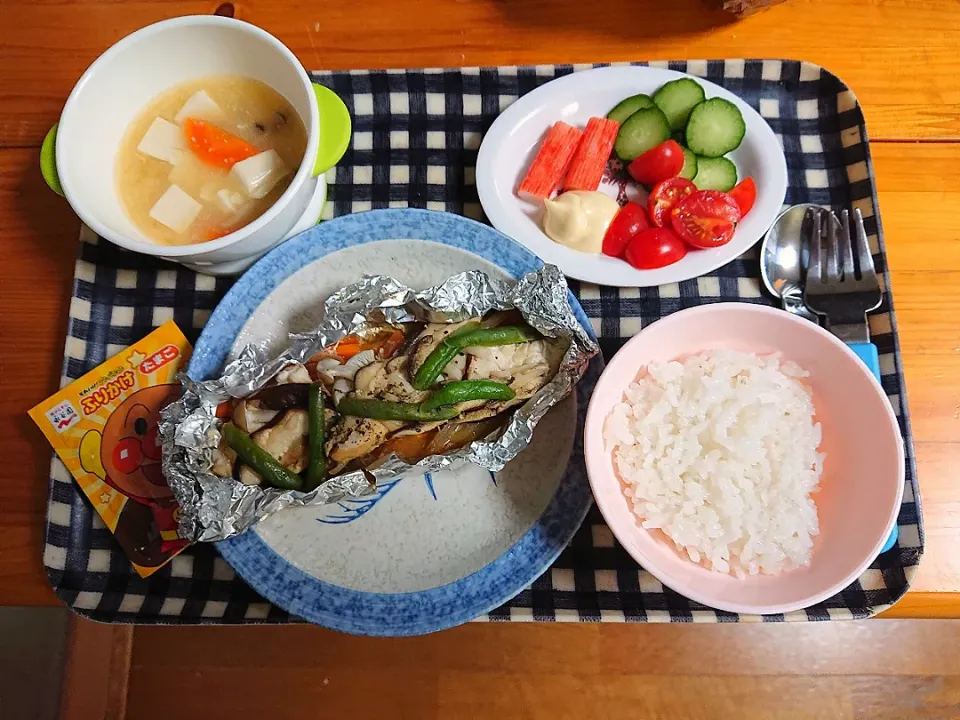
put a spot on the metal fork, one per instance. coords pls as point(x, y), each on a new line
point(832, 288)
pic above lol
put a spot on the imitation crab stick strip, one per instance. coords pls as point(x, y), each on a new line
point(586, 167)
point(551, 162)
point(216, 146)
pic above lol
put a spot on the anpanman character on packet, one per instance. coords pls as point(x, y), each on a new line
point(104, 428)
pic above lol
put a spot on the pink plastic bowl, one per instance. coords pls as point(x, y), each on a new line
point(861, 486)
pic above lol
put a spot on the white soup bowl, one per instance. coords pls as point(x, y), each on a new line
point(122, 81)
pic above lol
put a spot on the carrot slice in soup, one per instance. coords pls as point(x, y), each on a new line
point(215, 233)
point(216, 146)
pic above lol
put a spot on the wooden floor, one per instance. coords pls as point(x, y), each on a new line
point(892, 670)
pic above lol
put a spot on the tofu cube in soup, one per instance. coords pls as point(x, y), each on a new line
point(176, 209)
point(163, 141)
point(260, 173)
point(200, 106)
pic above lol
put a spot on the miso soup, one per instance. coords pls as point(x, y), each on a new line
point(207, 157)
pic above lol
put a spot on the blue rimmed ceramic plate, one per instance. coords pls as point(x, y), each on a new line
point(428, 551)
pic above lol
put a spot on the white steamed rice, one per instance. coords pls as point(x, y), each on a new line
point(719, 451)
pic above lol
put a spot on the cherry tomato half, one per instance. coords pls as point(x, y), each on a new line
point(655, 248)
point(744, 194)
point(665, 196)
point(657, 164)
point(631, 219)
point(706, 219)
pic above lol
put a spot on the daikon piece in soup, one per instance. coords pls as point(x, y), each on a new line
point(207, 157)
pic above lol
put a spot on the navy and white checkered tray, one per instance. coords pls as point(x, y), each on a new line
point(416, 135)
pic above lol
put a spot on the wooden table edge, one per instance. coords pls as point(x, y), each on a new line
point(96, 670)
point(915, 605)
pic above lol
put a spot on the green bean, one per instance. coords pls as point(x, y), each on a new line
point(442, 354)
point(489, 337)
point(272, 472)
point(466, 390)
point(317, 469)
point(386, 410)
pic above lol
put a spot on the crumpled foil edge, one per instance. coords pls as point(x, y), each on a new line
point(215, 508)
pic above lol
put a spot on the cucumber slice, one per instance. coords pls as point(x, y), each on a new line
point(715, 174)
point(690, 165)
point(677, 98)
point(645, 129)
point(626, 108)
point(715, 128)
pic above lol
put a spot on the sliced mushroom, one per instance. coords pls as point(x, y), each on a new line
point(294, 373)
point(431, 336)
point(287, 440)
point(326, 366)
point(388, 381)
point(361, 359)
point(340, 377)
point(365, 378)
point(250, 416)
point(223, 459)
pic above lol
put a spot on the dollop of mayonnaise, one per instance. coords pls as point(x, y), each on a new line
point(579, 219)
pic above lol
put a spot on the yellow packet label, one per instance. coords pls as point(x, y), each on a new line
point(104, 428)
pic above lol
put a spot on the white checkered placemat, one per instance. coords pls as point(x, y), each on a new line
point(416, 136)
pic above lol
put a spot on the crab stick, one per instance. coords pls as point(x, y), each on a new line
point(551, 162)
point(586, 167)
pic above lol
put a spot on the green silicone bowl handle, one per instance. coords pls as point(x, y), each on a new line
point(335, 129)
point(48, 161)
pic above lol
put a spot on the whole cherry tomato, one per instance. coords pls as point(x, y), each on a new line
point(655, 248)
point(657, 164)
point(631, 219)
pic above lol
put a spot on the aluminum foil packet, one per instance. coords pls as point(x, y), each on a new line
point(215, 508)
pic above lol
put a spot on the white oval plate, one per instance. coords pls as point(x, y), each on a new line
point(513, 139)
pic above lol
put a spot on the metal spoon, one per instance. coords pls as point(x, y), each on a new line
point(783, 263)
